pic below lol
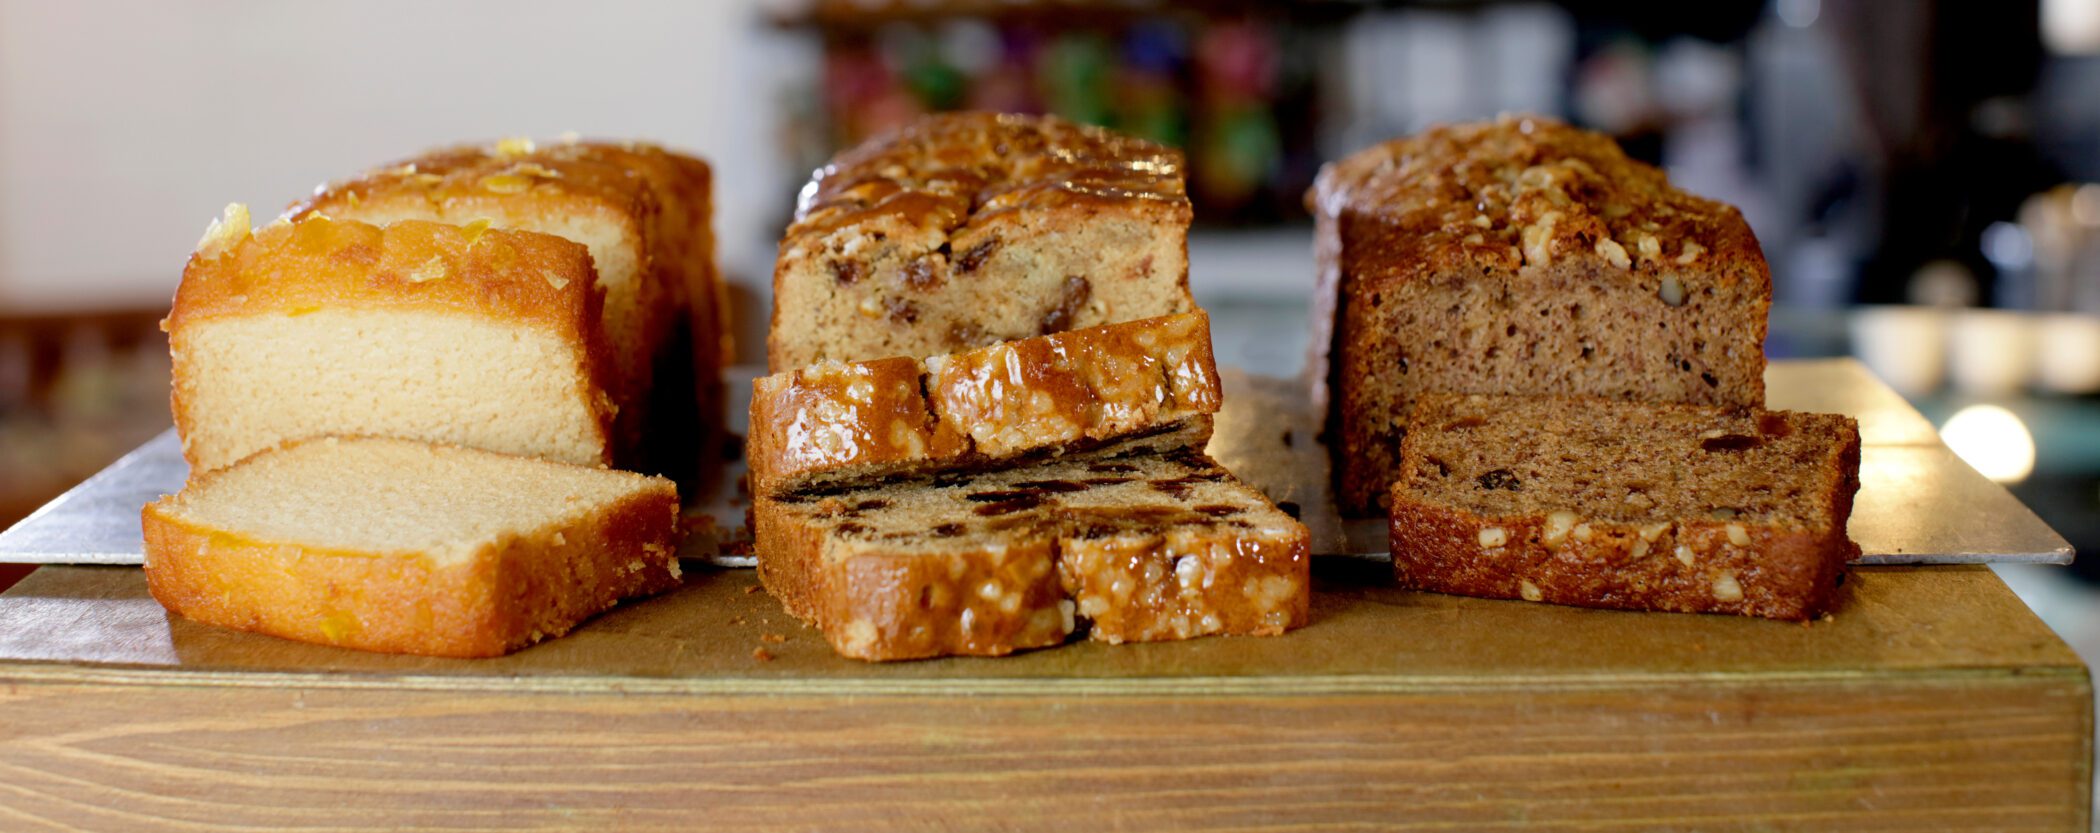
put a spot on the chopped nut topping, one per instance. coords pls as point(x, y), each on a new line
point(1727, 589)
point(1672, 292)
point(1529, 591)
point(554, 280)
point(1640, 549)
point(1691, 254)
point(515, 146)
point(1538, 240)
point(1654, 531)
point(1494, 536)
point(1738, 536)
point(1684, 554)
point(1558, 525)
point(1610, 250)
point(1650, 248)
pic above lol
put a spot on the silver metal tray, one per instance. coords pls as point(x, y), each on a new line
point(1917, 504)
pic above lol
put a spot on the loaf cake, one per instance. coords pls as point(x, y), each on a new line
point(966, 230)
point(837, 423)
point(467, 335)
point(1604, 503)
point(404, 547)
point(644, 213)
point(1143, 541)
point(1520, 256)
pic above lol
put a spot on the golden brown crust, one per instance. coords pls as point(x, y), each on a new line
point(291, 268)
point(830, 422)
point(960, 169)
point(505, 597)
point(1520, 255)
point(1517, 191)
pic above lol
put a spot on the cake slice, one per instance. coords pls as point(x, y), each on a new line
point(834, 423)
point(1520, 256)
point(644, 213)
point(467, 335)
point(1602, 503)
point(970, 229)
point(1135, 543)
point(399, 546)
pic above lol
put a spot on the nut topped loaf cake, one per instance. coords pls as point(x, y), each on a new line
point(834, 423)
point(1604, 503)
point(1520, 256)
point(405, 547)
point(644, 212)
point(1158, 543)
point(468, 335)
point(965, 230)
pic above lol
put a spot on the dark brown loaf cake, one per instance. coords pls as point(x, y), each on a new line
point(1603, 503)
point(1520, 256)
point(1148, 545)
point(970, 229)
point(833, 423)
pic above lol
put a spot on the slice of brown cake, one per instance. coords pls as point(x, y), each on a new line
point(1602, 503)
point(1136, 543)
point(969, 229)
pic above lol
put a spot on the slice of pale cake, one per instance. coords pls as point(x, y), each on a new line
point(406, 547)
point(466, 335)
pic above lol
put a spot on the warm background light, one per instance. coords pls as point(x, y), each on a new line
point(1993, 440)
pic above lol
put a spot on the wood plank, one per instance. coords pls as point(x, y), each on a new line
point(1932, 700)
point(1977, 754)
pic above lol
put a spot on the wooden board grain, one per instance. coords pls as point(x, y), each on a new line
point(1934, 700)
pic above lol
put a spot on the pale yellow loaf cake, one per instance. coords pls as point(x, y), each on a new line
point(644, 212)
point(470, 335)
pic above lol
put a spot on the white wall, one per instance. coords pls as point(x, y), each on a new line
point(125, 126)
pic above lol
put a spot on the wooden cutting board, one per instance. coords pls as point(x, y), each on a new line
point(1933, 700)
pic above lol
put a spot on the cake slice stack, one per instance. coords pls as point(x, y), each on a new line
point(997, 499)
point(984, 430)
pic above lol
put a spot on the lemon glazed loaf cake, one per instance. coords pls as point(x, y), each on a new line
point(966, 230)
point(1602, 503)
point(837, 423)
point(399, 546)
point(645, 214)
point(1520, 256)
point(468, 335)
point(1148, 541)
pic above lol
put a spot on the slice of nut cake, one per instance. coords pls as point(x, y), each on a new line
point(834, 423)
point(1143, 545)
point(1609, 504)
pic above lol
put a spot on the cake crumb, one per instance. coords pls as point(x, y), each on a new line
point(773, 638)
point(751, 589)
point(762, 655)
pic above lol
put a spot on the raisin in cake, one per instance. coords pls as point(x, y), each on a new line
point(644, 212)
point(1520, 256)
point(835, 423)
point(398, 546)
point(469, 335)
point(965, 230)
point(1138, 543)
point(1603, 503)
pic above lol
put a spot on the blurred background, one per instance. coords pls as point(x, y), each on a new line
point(1921, 173)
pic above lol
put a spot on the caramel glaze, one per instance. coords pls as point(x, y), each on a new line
point(960, 169)
point(1518, 191)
